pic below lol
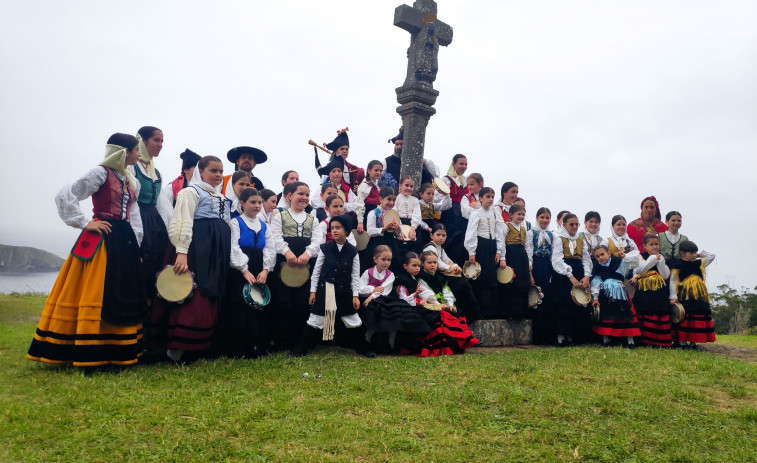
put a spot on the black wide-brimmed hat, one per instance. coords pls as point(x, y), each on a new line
point(346, 221)
point(341, 140)
point(234, 153)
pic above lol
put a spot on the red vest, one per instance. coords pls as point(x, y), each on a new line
point(456, 192)
point(328, 230)
point(373, 197)
point(176, 186)
point(107, 202)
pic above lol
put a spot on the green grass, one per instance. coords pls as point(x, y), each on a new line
point(576, 404)
point(737, 340)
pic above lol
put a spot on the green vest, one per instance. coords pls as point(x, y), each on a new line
point(290, 228)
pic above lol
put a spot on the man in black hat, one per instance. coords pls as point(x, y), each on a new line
point(352, 175)
point(244, 158)
point(391, 176)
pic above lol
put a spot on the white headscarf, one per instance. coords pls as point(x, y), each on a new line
point(572, 239)
point(458, 179)
point(115, 158)
point(543, 234)
point(145, 157)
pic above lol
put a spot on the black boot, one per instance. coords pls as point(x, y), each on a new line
point(309, 338)
point(363, 347)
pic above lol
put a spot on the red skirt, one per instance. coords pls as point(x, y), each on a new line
point(450, 335)
point(655, 330)
point(696, 328)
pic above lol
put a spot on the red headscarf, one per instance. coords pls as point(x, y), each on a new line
point(656, 205)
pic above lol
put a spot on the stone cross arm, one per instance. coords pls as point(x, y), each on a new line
point(413, 20)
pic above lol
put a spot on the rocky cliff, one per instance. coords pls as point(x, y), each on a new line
point(21, 259)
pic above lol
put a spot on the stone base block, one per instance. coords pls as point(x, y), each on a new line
point(496, 333)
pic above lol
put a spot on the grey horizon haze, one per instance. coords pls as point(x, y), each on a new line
point(586, 105)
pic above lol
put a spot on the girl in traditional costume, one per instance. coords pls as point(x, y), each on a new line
point(617, 318)
point(319, 203)
point(649, 223)
point(240, 180)
point(450, 333)
point(242, 330)
point(509, 192)
point(539, 256)
point(294, 238)
point(154, 209)
point(269, 205)
point(671, 239)
point(409, 210)
point(514, 295)
point(93, 314)
point(650, 300)
point(619, 243)
point(472, 201)
point(381, 232)
point(200, 233)
point(485, 243)
point(453, 218)
point(590, 235)
point(432, 205)
point(571, 268)
point(334, 208)
point(687, 286)
point(368, 195)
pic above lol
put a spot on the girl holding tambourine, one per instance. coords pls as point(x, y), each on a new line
point(294, 238)
point(571, 268)
point(199, 231)
point(241, 328)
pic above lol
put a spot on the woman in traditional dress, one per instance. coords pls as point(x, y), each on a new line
point(650, 222)
point(93, 315)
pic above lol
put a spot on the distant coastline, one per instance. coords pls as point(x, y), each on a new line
point(21, 260)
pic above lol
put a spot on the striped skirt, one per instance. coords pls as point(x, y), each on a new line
point(656, 330)
point(696, 328)
point(449, 335)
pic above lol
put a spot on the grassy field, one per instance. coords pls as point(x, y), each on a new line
point(575, 404)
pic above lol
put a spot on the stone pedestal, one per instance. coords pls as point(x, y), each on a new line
point(497, 333)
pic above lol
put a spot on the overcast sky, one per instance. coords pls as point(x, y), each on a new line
point(586, 105)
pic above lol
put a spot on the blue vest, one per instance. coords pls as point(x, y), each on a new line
point(210, 207)
point(546, 249)
point(249, 238)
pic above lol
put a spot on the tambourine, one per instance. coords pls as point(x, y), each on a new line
point(580, 296)
point(441, 186)
point(677, 313)
point(451, 273)
point(429, 306)
point(174, 287)
point(256, 296)
point(361, 240)
point(595, 314)
point(406, 232)
point(294, 277)
point(390, 216)
point(535, 296)
point(505, 275)
point(471, 270)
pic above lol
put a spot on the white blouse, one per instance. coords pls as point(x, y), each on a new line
point(367, 290)
point(559, 265)
point(408, 207)
point(363, 190)
point(652, 262)
point(355, 274)
point(239, 259)
point(444, 262)
point(529, 242)
point(465, 208)
point(633, 256)
point(282, 247)
point(182, 219)
point(427, 294)
point(372, 224)
point(486, 224)
point(69, 196)
point(320, 232)
point(164, 204)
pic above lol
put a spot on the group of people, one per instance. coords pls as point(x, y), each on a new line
point(369, 261)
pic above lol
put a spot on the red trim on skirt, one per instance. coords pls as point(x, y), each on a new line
point(656, 330)
point(696, 328)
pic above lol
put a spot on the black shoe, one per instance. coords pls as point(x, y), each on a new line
point(630, 346)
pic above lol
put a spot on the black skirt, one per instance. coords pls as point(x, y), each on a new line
point(209, 255)
point(124, 301)
point(153, 248)
point(392, 314)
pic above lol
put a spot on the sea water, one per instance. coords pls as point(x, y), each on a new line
point(27, 282)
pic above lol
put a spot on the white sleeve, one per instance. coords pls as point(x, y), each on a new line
point(646, 265)
point(351, 239)
point(319, 232)
point(448, 295)
point(673, 286)
point(355, 275)
point(370, 224)
point(431, 167)
point(707, 257)
point(135, 218)
point(417, 219)
point(239, 259)
point(586, 260)
point(360, 201)
point(596, 282)
point(442, 202)
point(365, 288)
point(558, 264)
point(530, 247)
point(499, 233)
point(427, 294)
point(165, 204)
point(663, 268)
point(465, 208)
point(349, 205)
point(406, 296)
point(388, 285)
point(281, 246)
point(317, 271)
point(69, 196)
point(269, 251)
point(471, 234)
point(315, 242)
point(182, 219)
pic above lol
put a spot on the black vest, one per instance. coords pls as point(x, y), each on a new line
point(337, 267)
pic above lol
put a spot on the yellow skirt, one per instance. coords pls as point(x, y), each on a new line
point(71, 330)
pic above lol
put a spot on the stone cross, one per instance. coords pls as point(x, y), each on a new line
point(417, 95)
